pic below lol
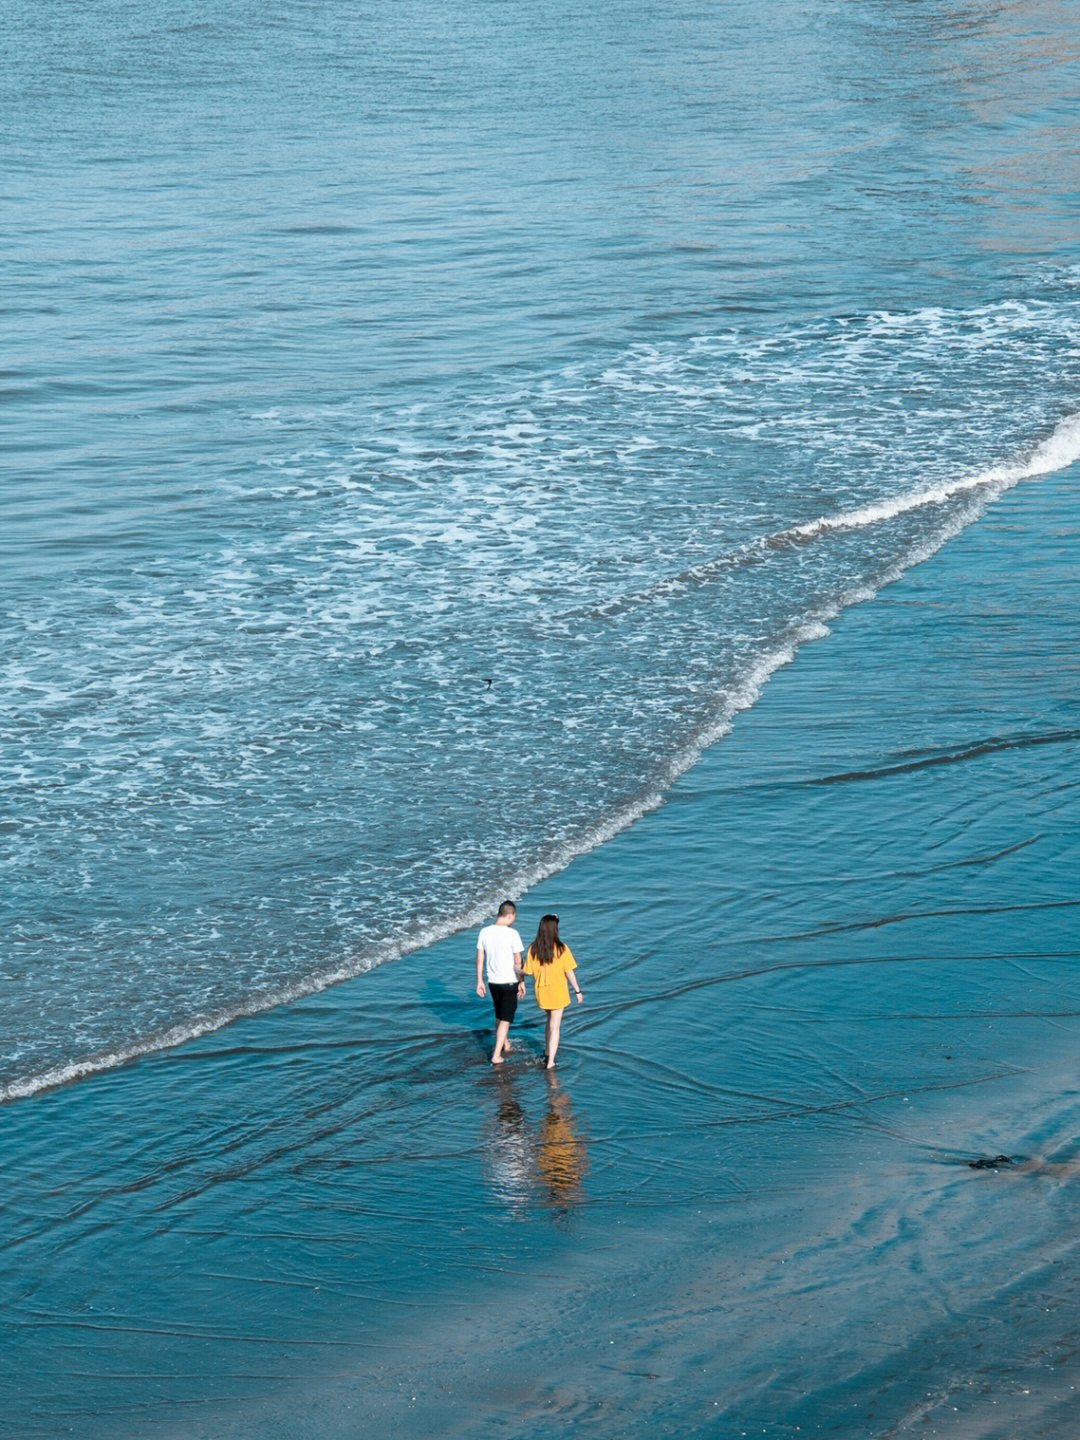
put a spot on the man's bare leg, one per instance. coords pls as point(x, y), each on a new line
point(502, 1029)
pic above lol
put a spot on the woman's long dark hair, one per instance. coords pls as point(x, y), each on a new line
point(547, 943)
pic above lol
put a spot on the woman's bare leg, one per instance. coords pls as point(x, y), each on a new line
point(554, 1024)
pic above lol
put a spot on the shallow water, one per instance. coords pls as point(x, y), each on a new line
point(745, 1201)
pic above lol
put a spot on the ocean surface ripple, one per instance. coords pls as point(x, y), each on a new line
point(376, 544)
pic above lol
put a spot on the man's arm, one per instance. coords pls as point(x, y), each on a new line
point(480, 972)
point(520, 974)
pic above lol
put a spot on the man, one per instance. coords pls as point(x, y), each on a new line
point(498, 956)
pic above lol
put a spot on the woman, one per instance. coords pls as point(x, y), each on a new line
point(551, 965)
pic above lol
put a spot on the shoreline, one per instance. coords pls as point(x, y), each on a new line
point(1057, 451)
point(802, 1024)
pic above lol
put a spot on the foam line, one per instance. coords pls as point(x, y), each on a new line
point(1059, 450)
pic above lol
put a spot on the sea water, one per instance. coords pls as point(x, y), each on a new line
point(428, 428)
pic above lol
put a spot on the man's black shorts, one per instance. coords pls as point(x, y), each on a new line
point(504, 998)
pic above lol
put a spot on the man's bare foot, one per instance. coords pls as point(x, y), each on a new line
point(497, 1060)
point(508, 1049)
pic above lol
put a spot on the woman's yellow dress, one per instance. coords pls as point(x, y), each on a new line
point(552, 991)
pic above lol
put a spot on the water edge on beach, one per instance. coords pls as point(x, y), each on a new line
point(833, 969)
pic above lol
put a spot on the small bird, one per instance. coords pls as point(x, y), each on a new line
point(487, 681)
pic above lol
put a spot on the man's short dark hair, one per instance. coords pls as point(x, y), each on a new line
point(507, 908)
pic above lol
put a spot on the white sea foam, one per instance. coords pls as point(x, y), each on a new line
point(740, 697)
point(1056, 452)
point(1059, 450)
point(320, 671)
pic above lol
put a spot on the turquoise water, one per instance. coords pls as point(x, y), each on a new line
point(357, 360)
point(837, 966)
point(429, 432)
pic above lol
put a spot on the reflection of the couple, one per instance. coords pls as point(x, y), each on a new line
point(561, 1157)
point(546, 1161)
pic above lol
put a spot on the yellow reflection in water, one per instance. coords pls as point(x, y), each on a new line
point(529, 1162)
point(561, 1155)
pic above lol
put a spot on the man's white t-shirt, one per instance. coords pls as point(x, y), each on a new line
point(500, 943)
